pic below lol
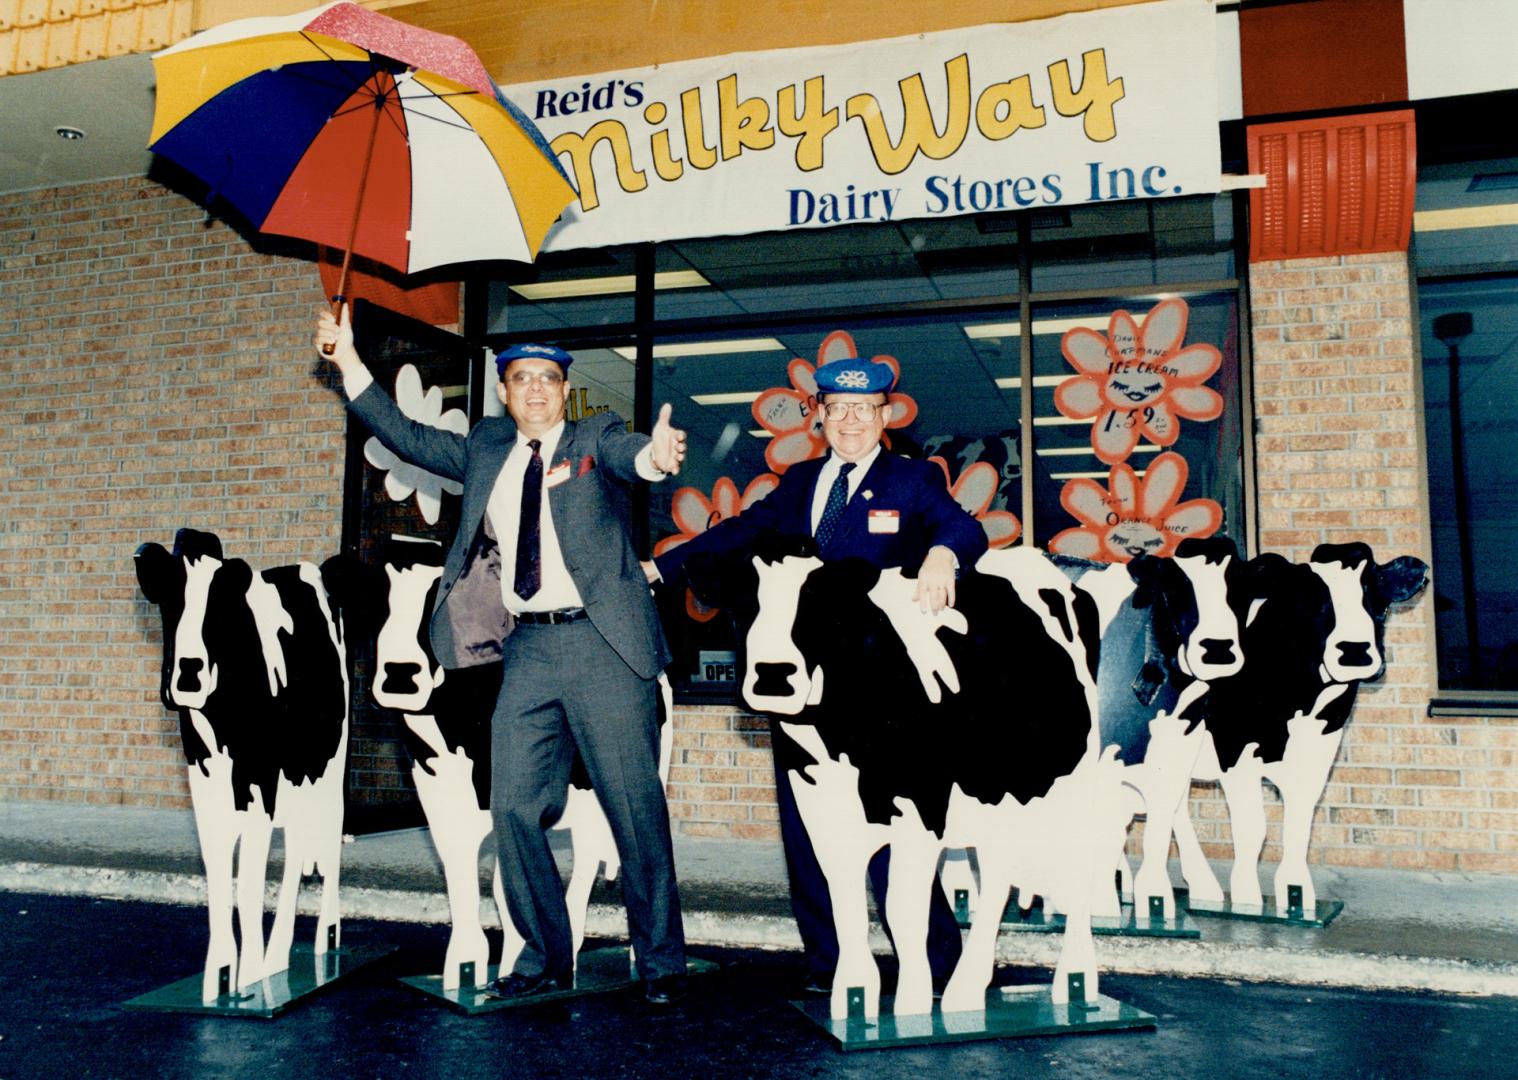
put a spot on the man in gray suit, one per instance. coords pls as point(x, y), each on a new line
point(543, 544)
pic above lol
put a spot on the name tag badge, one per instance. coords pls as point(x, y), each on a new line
point(885, 521)
point(557, 475)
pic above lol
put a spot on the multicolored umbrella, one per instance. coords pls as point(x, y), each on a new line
point(360, 132)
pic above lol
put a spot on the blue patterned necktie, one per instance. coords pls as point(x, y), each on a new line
point(832, 512)
point(529, 572)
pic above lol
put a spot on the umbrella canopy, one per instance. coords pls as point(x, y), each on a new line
point(355, 130)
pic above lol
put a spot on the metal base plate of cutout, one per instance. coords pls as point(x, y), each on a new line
point(1011, 1012)
point(1129, 924)
point(598, 971)
point(1323, 913)
point(306, 975)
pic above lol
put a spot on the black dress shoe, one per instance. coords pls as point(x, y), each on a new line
point(666, 989)
point(512, 987)
point(819, 985)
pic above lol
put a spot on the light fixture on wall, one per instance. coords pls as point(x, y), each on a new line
point(68, 134)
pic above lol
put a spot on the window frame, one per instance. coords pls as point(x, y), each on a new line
point(645, 329)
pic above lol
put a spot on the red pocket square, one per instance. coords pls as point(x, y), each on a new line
point(586, 464)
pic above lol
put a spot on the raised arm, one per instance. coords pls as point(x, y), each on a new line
point(438, 451)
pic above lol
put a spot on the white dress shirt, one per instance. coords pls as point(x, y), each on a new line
point(556, 589)
point(829, 473)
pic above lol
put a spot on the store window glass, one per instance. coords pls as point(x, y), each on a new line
point(1154, 242)
point(564, 291)
point(740, 323)
point(1467, 261)
point(850, 267)
point(1137, 422)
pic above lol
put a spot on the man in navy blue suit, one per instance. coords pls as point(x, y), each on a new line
point(860, 501)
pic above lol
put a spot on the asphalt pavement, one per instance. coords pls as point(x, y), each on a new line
point(69, 962)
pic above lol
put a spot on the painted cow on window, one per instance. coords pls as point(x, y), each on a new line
point(1315, 634)
point(255, 663)
point(975, 727)
point(447, 733)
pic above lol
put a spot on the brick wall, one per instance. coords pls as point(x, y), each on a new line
point(157, 373)
point(721, 774)
point(1339, 457)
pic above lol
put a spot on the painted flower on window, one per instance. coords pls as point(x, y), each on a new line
point(790, 413)
point(694, 513)
point(1134, 515)
point(1138, 380)
point(401, 477)
point(974, 491)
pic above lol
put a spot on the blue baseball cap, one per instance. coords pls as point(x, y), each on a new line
point(531, 351)
point(852, 375)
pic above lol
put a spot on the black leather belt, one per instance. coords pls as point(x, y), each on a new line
point(552, 618)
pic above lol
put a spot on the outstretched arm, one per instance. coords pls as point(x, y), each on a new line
point(958, 541)
point(438, 451)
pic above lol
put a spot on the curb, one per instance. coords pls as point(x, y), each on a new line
point(1127, 956)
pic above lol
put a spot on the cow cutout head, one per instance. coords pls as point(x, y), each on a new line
point(1359, 592)
point(406, 671)
point(776, 678)
point(180, 584)
point(1198, 596)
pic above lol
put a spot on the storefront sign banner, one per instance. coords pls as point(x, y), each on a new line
point(1086, 108)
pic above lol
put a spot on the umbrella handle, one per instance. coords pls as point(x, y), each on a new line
point(358, 206)
point(337, 313)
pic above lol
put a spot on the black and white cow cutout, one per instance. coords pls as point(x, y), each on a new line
point(1314, 634)
point(255, 663)
point(918, 731)
point(447, 730)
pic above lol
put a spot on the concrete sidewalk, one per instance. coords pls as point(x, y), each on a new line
point(1449, 932)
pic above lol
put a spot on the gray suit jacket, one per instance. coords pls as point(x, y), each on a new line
point(591, 515)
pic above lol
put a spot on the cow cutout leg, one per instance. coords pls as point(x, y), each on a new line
point(215, 827)
point(1091, 823)
point(327, 843)
point(282, 934)
point(957, 879)
point(966, 991)
point(1168, 766)
point(1246, 817)
point(1301, 777)
point(1196, 871)
point(593, 846)
point(828, 803)
point(458, 826)
point(914, 858)
point(256, 831)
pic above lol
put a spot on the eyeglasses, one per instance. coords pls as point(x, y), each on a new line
point(523, 379)
point(862, 410)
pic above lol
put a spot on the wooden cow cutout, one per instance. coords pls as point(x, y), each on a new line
point(1314, 634)
point(448, 716)
point(255, 663)
point(900, 730)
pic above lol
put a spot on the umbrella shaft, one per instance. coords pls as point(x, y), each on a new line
point(358, 203)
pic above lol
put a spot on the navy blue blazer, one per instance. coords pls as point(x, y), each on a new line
point(925, 515)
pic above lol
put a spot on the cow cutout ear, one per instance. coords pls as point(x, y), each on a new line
point(1264, 572)
point(814, 694)
point(1401, 579)
point(193, 544)
point(438, 675)
point(1145, 570)
point(355, 589)
point(156, 571)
